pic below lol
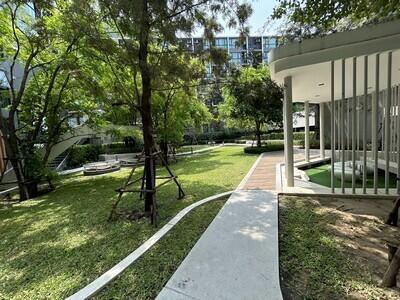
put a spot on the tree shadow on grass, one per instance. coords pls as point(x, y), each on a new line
point(326, 253)
point(56, 244)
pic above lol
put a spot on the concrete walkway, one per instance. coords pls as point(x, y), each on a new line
point(237, 256)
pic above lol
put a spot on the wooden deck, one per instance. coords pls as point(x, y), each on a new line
point(264, 174)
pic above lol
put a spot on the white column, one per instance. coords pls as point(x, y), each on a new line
point(322, 130)
point(353, 126)
point(387, 121)
point(342, 125)
point(307, 131)
point(333, 125)
point(375, 107)
point(398, 137)
point(288, 131)
point(365, 109)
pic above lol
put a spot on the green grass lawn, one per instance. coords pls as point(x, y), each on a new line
point(322, 175)
point(326, 253)
point(311, 265)
point(54, 245)
point(189, 148)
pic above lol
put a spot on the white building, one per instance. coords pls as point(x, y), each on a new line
point(354, 76)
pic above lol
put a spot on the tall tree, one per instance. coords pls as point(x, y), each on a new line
point(147, 31)
point(41, 66)
point(252, 98)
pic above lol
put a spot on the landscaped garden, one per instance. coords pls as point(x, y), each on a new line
point(332, 248)
point(55, 244)
point(322, 175)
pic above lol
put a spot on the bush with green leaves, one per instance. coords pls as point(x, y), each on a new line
point(268, 147)
point(81, 154)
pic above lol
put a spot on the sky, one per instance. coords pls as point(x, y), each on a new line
point(262, 10)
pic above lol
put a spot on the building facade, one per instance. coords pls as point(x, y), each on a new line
point(252, 51)
point(354, 77)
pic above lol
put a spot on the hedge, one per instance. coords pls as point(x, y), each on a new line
point(268, 147)
point(279, 136)
point(81, 154)
point(217, 137)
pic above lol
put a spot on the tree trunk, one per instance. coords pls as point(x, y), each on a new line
point(13, 153)
point(146, 108)
point(258, 133)
point(164, 149)
point(390, 277)
point(393, 220)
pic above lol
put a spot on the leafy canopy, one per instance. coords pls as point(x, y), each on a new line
point(251, 96)
point(311, 17)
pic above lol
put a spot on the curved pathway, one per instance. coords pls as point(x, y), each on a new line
point(237, 257)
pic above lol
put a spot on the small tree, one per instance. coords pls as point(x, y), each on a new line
point(252, 98)
point(175, 111)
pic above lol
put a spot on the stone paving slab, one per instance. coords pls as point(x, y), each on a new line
point(236, 257)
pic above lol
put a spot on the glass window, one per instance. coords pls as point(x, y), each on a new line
point(233, 42)
point(221, 42)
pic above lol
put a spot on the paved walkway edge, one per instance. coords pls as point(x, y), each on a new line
point(99, 283)
point(237, 257)
point(251, 171)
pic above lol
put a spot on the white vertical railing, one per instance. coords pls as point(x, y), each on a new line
point(342, 132)
point(353, 127)
point(333, 131)
point(388, 105)
point(322, 130)
point(375, 104)
point(398, 136)
point(365, 108)
point(307, 131)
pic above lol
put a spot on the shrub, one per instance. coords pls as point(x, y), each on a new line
point(268, 147)
point(81, 154)
point(121, 147)
point(280, 136)
point(217, 137)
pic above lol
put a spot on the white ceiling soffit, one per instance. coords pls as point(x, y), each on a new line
point(309, 62)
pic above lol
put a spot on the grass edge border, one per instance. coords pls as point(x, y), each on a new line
point(103, 280)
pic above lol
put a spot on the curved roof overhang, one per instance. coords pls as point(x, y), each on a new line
point(309, 61)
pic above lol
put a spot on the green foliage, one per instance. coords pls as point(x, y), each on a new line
point(176, 111)
point(53, 246)
point(227, 136)
point(120, 132)
point(116, 148)
point(35, 169)
point(81, 154)
point(312, 17)
point(268, 147)
point(52, 81)
point(280, 136)
point(252, 99)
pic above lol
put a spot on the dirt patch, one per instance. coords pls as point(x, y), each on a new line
point(346, 244)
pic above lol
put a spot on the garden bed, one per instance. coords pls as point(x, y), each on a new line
point(332, 248)
point(321, 174)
